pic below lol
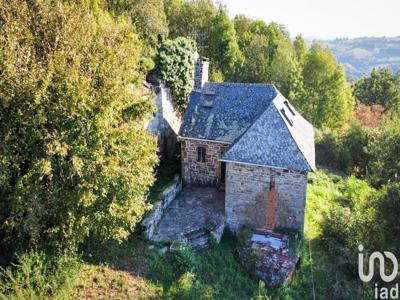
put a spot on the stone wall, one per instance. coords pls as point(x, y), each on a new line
point(247, 189)
point(166, 122)
point(159, 208)
point(206, 173)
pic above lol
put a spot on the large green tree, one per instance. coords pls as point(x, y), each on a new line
point(269, 55)
point(223, 49)
point(75, 158)
point(327, 101)
point(190, 19)
point(380, 87)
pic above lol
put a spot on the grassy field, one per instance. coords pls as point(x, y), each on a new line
point(136, 270)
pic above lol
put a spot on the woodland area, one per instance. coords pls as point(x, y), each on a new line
point(78, 169)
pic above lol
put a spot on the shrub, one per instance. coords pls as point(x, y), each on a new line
point(353, 154)
point(40, 276)
point(326, 147)
point(74, 156)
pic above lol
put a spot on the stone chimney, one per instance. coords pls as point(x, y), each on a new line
point(200, 72)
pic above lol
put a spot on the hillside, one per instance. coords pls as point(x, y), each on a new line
point(361, 55)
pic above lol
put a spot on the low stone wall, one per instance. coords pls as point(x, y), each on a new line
point(159, 208)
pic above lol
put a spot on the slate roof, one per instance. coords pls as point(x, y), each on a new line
point(235, 107)
point(272, 141)
point(250, 117)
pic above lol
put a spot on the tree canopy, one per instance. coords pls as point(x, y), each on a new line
point(380, 87)
point(327, 101)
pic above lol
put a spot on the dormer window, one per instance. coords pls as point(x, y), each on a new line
point(201, 154)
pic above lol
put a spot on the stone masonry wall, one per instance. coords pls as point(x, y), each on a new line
point(206, 173)
point(159, 208)
point(247, 190)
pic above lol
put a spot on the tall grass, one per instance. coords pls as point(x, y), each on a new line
point(37, 275)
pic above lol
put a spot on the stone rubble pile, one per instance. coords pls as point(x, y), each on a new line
point(274, 261)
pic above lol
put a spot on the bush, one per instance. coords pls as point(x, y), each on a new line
point(326, 147)
point(40, 276)
point(75, 159)
point(353, 154)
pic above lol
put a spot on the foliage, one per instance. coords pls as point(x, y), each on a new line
point(388, 214)
point(326, 145)
point(175, 63)
point(369, 115)
point(40, 276)
point(380, 87)
point(268, 54)
point(353, 152)
point(224, 53)
point(384, 149)
point(148, 18)
point(327, 101)
point(190, 19)
point(165, 174)
point(75, 158)
point(300, 47)
point(215, 274)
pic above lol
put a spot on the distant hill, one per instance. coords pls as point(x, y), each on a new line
point(360, 55)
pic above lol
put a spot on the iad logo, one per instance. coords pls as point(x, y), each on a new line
point(381, 293)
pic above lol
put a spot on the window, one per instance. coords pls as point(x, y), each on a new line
point(201, 154)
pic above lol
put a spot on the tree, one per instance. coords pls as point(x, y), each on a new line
point(75, 159)
point(148, 17)
point(327, 101)
point(190, 19)
point(354, 157)
point(300, 47)
point(224, 51)
point(381, 87)
point(384, 149)
point(175, 63)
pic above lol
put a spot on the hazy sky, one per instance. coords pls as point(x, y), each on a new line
point(323, 18)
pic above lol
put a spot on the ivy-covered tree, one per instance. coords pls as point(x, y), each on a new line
point(175, 63)
point(75, 159)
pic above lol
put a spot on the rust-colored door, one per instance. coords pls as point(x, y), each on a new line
point(271, 208)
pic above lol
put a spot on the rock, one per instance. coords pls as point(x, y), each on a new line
point(151, 247)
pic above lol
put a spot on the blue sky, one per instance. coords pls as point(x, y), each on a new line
point(323, 18)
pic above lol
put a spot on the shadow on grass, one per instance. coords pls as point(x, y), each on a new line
point(212, 274)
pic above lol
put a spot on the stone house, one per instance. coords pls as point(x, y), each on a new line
point(248, 140)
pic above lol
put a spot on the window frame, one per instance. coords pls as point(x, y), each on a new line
point(201, 154)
